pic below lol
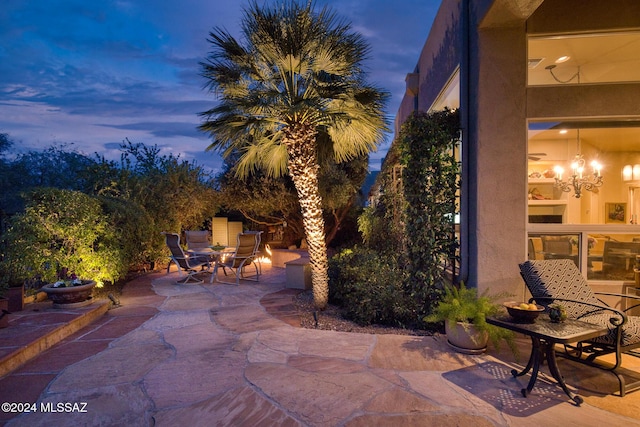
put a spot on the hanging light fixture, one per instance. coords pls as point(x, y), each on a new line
point(631, 173)
point(579, 179)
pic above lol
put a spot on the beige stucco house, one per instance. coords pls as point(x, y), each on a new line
point(537, 83)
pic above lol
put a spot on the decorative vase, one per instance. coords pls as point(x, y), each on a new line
point(466, 338)
point(557, 313)
point(70, 296)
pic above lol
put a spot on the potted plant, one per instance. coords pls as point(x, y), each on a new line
point(464, 314)
point(12, 277)
point(69, 290)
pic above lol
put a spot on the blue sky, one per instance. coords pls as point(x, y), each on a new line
point(91, 73)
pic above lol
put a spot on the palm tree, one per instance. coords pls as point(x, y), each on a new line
point(291, 94)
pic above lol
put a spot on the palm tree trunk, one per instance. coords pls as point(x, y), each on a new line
point(300, 140)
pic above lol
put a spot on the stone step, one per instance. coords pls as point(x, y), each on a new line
point(38, 327)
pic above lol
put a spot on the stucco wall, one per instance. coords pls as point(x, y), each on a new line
point(440, 55)
point(438, 59)
point(497, 113)
point(500, 104)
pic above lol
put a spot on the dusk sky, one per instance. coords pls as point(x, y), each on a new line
point(91, 73)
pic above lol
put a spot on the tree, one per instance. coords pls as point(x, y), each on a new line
point(5, 143)
point(263, 200)
point(340, 185)
point(57, 166)
point(176, 193)
point(293, 94)
point(58, 229)
point(5, 178)
point(269, 201)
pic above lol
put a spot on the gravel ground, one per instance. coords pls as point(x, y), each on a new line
point(331, 319)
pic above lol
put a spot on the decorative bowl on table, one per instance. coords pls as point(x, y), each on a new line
point(523, 312)
point(218, 247)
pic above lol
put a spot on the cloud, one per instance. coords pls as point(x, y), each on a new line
point(163, 129)
point(96, 72)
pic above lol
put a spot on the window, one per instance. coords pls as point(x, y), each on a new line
point(615, 145)
point(584, 58)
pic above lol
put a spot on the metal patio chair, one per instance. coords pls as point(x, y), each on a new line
point(186, 263)
point(245, 256)
point(197, 239)
point(560, 281)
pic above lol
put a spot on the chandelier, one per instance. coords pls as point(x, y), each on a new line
point(578, 180)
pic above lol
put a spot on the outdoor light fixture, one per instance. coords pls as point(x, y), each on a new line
point(580, 180)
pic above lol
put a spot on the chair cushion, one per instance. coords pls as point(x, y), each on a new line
point(562, 279)
point(559, 278)
point(630, 330)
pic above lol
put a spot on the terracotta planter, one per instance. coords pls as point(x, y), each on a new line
point(70, 296)
point(4, 312)
point(15, 295)
point(465, 338)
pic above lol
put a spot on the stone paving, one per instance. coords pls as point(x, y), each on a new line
point(224, 355)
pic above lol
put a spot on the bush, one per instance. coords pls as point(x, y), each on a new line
point(134, 234)
point(62, 229)
point(369, 288)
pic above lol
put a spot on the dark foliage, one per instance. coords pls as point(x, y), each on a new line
point(368, 287)
point(430, 182)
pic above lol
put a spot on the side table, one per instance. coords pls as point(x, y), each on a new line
point(544, 336)
point(212, 256)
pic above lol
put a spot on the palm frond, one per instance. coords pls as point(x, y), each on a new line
point(294, 66)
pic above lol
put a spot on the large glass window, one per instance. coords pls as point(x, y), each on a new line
point(584, 58)
point(585, 213)
point(607, 256)
point(559, 191)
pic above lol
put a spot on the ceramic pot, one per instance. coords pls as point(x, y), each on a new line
point(65, 296)
point(465, 338)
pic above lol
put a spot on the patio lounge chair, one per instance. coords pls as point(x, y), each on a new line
point(185, 263)
point(245, 255)
point(560, 281)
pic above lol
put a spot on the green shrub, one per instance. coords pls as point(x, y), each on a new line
point(135, 234)
point(62, 229)
point(368, 287)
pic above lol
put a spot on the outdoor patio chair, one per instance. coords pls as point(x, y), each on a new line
point(558, 247)
point(258, 253)
point(197, 239)
point(618, 259)
point(245, 255)
point(560, 281)
point(185, 263)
